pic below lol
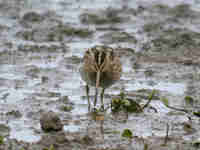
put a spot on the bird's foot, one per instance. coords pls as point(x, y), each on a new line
point(94, 110)
point(102, 109)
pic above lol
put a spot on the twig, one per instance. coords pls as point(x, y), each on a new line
point(178, 109)
point(149, 99)
point(155, 110)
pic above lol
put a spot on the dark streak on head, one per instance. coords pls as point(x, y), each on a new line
point(103, 51)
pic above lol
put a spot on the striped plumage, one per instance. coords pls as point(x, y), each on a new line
point(101, 67)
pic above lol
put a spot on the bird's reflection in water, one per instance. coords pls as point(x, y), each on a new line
point(95, 126)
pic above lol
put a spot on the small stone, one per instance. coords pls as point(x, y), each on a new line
point(87, 140)
point(50, 121)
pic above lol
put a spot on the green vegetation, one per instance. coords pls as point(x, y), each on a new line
point(66, 108)
point(69, 31)
point(189, 100)
point(129, 105)
point(152, 27)
point(196, 113)
point(165, 101)
point(50, 148)
point(127, 133)
point(1, 140)
point(125, 104)
point(99, 19)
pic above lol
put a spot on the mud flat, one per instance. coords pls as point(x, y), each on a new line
point(41, 47)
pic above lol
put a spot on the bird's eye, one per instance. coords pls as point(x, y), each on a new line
point(87, 52)
point(96, 56)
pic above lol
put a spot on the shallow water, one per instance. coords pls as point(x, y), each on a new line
point(173, 88)
point(21, 131)
point(28, 93)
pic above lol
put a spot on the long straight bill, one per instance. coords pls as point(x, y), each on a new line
point(98, 79)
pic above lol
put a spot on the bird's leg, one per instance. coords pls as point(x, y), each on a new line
point(96, 95)
point(88, 98)
point(102, 94)
point(97, 86)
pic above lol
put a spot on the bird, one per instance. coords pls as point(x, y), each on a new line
point(100, 67)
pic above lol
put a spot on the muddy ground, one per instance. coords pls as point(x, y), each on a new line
point(41, 47)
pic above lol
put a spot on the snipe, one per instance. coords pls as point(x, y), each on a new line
point(101, 67)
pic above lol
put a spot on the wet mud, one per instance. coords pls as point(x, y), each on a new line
point(41, 48)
